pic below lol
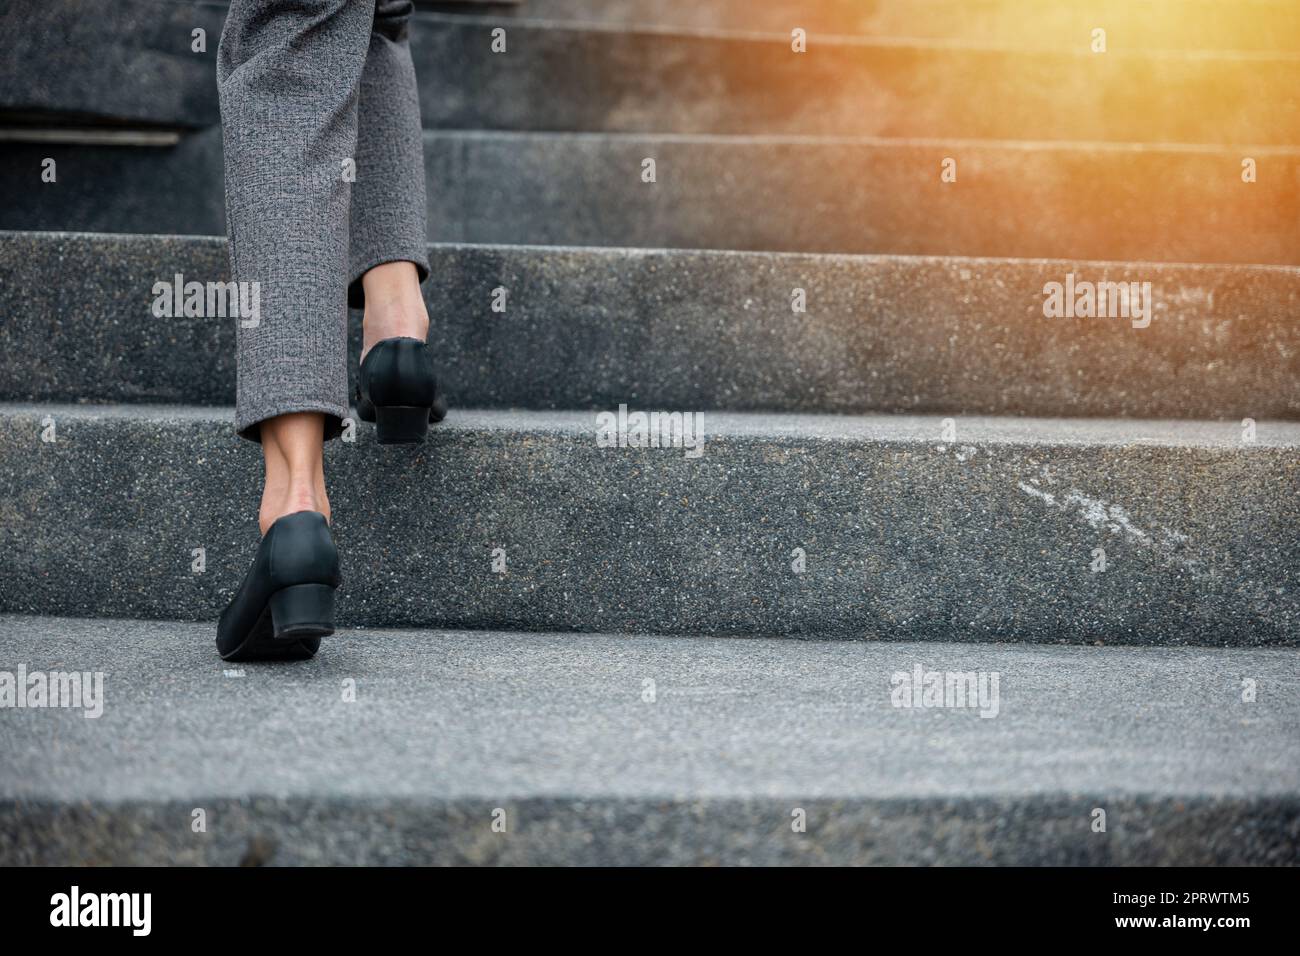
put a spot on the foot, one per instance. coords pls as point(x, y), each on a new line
point(394, 306)
point(285, 604)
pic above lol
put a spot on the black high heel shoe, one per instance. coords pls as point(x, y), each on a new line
point(285, 604)
point(397, 391)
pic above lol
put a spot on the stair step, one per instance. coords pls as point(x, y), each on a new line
point(893, 527)
point(1098, 201)
point(554, 77)
point(572, 77)
point(112, 187)
point(606, 749)
point(591, 328)
point(1026, 24)
point(1089, 201)
point(129, 61)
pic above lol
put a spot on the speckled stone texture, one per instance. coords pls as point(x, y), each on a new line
point(118, 188)
point(1096, 201)
point(131, 61)
point(587, 328)
point(1028, 24)
point(903, 533)
point(688, 82)
point(557, 77)
point(646, 658)
point(556, 730)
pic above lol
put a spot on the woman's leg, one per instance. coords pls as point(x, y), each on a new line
point(289, 76)
point(295, 468)
point(388, 233)
point(394, 306)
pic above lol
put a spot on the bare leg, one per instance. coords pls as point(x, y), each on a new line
point(295, 470)
point(394, 306)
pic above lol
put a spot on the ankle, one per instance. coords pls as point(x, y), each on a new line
point(394, 305)
point(394, 319)
point(292, 447)
point(296, 495)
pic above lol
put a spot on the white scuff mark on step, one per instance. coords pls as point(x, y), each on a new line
point(1099, 515)
point(966, 452)
point(1046, 476)
point(1047, 496)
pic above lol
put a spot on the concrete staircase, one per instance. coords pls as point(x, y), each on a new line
point(645, 655)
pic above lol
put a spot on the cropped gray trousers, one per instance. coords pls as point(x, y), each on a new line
point(324, 175)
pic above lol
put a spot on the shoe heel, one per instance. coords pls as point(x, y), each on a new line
point(401, 424)
point(304, 610)
point(439, 410)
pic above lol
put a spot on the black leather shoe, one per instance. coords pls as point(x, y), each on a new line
point(397, 391)
point(285, 604)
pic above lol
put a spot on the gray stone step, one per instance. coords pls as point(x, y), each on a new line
point(575, 78)
point(590, 328)
point(1024, 24)
point(129, 61)
point(605, 749)
point(132, 61)
point(570, 77)
point(893, 527)
point(1089, 201)
point(1099, 201)
point(174, 187)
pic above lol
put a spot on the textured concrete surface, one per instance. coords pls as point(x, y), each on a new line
point(925, 547)
point(571, 77)
point(566, 77)
point(1092, 201)
point(1026, 24)
point(902, 533)
point(1095, 201)
point(131, 61)
point(690, 82)
point(557, 731)
point(590, 328)
point(116, 188)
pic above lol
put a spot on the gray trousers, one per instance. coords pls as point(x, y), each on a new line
point(310, 91)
